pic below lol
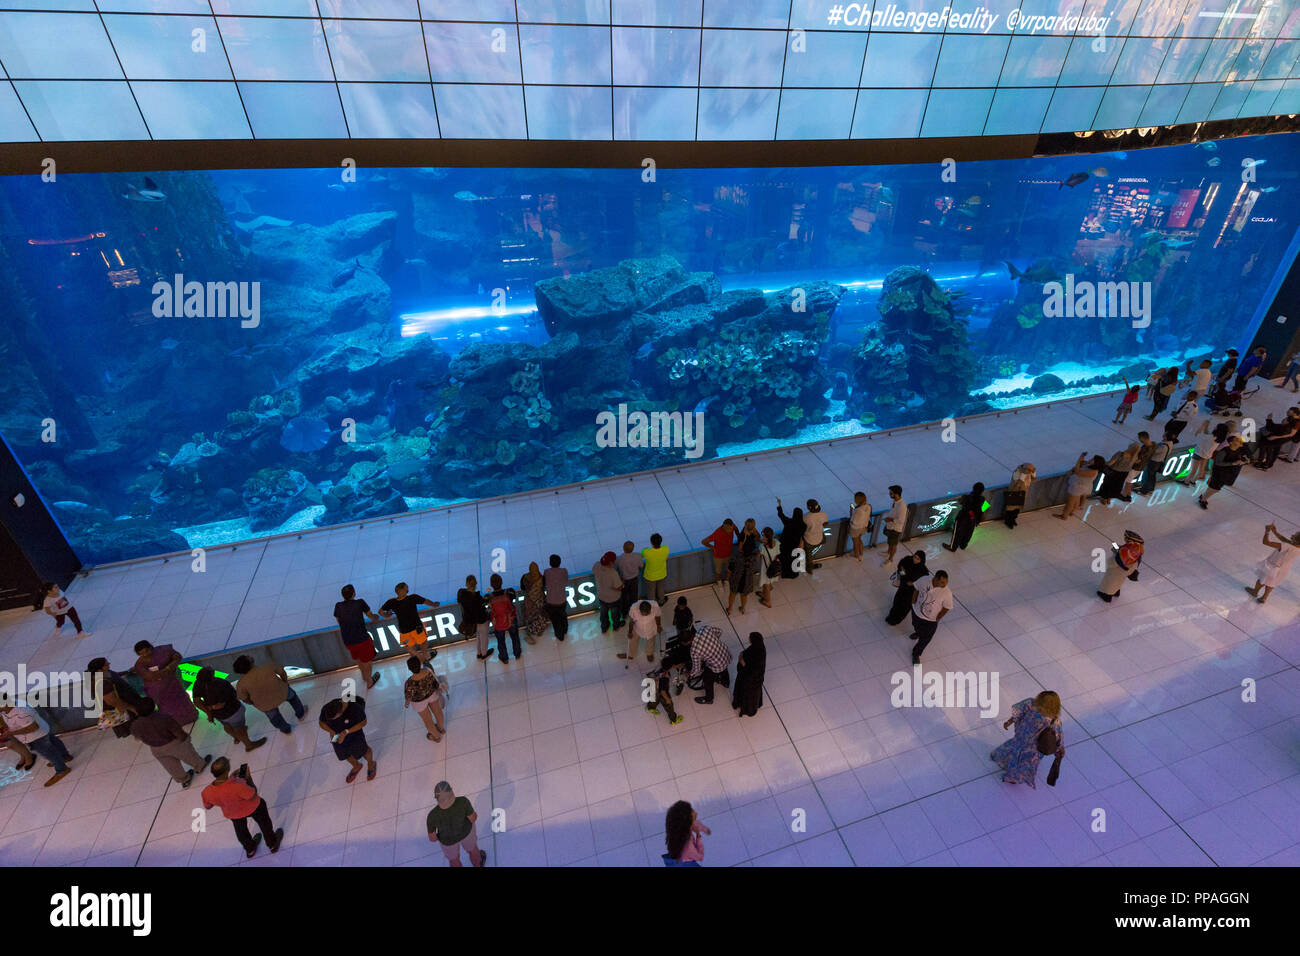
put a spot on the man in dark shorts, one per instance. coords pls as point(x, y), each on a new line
point(409, 626)
point(451, 823)
point(345, 722)
point(352, 614)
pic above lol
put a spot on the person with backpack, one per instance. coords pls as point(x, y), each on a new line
point(1123, 566)
point(501, 611)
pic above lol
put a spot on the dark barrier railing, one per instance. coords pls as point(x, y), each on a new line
point(322, 651)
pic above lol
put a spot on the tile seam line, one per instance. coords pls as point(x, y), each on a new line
point(816, 789)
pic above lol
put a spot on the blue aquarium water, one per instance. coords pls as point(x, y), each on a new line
point(194, 358)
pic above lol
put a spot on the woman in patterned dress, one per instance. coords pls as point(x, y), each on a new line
point(1019, 756)
point(535, 616)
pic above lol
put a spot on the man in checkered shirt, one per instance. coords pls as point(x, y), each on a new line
point(710, 657)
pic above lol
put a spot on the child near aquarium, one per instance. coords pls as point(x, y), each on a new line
point(57, 606)
point(1131, 393)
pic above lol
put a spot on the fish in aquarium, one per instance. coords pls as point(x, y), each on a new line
point(675, 298)
point(149, 192)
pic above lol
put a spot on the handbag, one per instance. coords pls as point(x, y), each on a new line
point(1013, 499)
point(895, 580)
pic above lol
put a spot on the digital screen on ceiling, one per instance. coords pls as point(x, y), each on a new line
point(633, 70)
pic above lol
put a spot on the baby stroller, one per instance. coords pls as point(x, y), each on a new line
point(1227, 402)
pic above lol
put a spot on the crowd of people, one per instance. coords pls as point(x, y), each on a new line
point(149, 701)
point(1219, 453)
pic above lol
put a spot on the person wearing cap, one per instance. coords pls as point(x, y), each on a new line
point(451, 823)
point(609, 591)
point(1125, 565)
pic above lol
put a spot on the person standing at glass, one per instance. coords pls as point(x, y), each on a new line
point(656, 569)
point(157, 666)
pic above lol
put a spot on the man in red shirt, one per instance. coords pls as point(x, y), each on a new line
point(720, 543)
point(239, 800)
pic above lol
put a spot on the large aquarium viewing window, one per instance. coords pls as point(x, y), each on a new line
point(196, 358)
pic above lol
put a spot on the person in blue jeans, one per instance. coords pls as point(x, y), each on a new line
point(266, 687)
point(1292, 374)
point(28, 727)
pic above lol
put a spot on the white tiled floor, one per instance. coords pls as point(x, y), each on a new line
point(1159, 739)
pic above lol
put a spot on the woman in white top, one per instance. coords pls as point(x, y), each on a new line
point(1273, 570)
point(1207, 443)
point(814, 521)
point(859, 523)
point(1014, 499)
point(769, 552)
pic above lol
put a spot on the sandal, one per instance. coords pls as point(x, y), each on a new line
point(353, 775)
point(374, 769)
point(432, 737)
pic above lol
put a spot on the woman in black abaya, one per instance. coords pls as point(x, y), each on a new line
point(910, 570)
point(792, 530)
point(747, 695)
